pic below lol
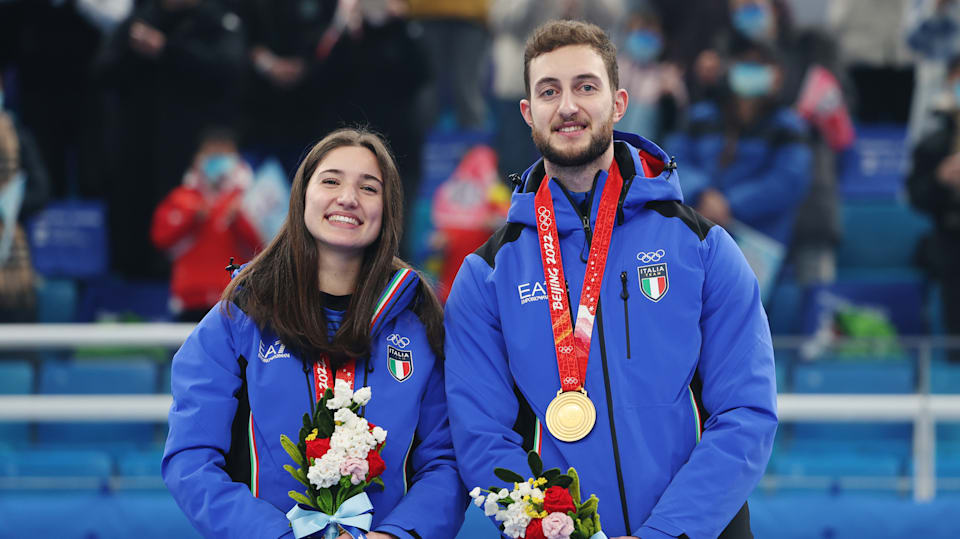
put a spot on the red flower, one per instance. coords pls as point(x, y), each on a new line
point(535, 529)
point(557, 500)
point(376, 464)
point(317, 448)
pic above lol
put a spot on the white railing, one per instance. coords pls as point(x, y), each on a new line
point(921, 408)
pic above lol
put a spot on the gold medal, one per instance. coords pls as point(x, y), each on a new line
point(571, 415)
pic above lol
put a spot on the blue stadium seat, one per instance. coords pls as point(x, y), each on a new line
point(785, 307)
point(854, 376)
point(62, 470)
point(56, 301)
point(944, 378)
point(897, 294)
point(875, 168)
point(16, 378)
point(97, 377)
point(838, 472)
point(140, 463)
point(879, 235)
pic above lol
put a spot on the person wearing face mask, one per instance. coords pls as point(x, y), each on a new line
point(24, 189)
point(934, 188)
point(656, 88)
point(747, 157)
point(201, 224)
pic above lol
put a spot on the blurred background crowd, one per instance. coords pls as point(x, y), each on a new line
point(147, 144)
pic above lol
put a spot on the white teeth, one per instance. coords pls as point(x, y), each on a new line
point(344, 219)
point(570, 129)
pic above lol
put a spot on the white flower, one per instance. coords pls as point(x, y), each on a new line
point(362, 396)
point(490, 507)
point(380, 435)
point(503, 493)
point(475, 492)
point(353, 442)
point(325, 471)
point(523, 489)
point(342, 395)
point(516, 521)
point(535, 492)
point(346, 417)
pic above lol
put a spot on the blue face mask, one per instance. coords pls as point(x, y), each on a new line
point(216, 166)
point(1, 99)
point(749, 79)
point(643, 46)
point(956, 93)
point(752, 20)
point(11, 198)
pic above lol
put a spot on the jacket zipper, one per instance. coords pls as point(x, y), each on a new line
point(624, 295)
point(613, 427)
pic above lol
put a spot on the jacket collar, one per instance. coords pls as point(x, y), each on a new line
point(648, 174)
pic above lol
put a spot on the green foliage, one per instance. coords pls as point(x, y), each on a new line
point(325, 501)
point(574, 487)
point(378, 481)
point(509, 476)
point(563, 481)
point(297, 474)
point(536, 465)
point(292, 450)
point(300, 498)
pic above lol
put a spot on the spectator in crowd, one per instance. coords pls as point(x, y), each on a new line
point(875, 55)
point(457, 43)
point(934, 187)
point(933, 34)
point(173, 68)
point(298, 48)
point(511, 21)
point(747, 157)
point(289, 88)
point(330, 297)
point(657, 91)
point(52, 44)
point(202, 224)
point(23, 190)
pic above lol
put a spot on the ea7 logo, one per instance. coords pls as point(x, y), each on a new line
point(534, 291)
point(653, 281)
point(400, 363)
point(275, 351)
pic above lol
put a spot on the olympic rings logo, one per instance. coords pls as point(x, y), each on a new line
point(396, 339)
point(545, 218)
point(650, 257)
point(565, 349)
point(571, 380)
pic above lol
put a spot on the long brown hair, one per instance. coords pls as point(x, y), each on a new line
point(280, 287)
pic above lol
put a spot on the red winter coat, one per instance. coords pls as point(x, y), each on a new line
point(202, 237)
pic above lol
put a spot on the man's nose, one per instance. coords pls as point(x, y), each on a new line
point(568, 105)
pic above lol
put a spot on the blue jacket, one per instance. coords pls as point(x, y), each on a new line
point(768, 177)
point(208, 422)
point(653, 359)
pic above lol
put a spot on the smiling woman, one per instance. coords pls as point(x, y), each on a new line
point(330, 292)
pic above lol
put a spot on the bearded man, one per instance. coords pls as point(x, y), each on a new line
point(612, 314)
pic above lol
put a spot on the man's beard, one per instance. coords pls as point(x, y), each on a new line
point(599, 142)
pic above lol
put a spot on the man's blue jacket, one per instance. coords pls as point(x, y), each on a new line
point(696, 347)
point(237, 388)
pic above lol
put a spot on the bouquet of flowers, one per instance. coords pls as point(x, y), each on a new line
point(546, 506)
point(338, 457)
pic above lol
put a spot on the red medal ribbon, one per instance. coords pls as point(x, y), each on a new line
point(573, 347)
point(322, 379)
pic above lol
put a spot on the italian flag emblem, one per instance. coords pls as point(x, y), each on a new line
point(400, 363)
point(653, 281)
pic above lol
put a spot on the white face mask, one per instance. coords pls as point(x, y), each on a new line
point(11, 198)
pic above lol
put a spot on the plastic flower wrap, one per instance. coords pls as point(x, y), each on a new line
point(338, 457)
point(545, 506)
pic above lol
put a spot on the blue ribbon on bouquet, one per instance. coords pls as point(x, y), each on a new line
point(599, 535)
point(354, 516)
